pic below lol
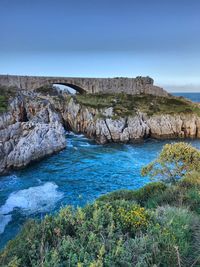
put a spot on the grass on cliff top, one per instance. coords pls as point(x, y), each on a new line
point(5, 95)
point(125, 105)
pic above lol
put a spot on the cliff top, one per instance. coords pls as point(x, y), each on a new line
point(124, 104)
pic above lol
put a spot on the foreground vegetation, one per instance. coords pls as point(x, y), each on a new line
point(157, 225)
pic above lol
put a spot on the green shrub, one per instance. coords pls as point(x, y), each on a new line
point(173, 233)
point(141, 195)
point(149, 192)
point(174, 161)
point(190, 180)
point(118, 195)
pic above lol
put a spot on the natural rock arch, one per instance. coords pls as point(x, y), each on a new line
point(51, 82)
point(73, 86)
point(133, 86)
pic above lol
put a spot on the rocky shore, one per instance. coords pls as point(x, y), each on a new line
point(34, 124)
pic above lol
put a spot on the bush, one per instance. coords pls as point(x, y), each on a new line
point(174, 161)
point(149, 192)
point(118, 195)
point(134, 218)
point(190, 180)
point(141, 195)
point(173, 233)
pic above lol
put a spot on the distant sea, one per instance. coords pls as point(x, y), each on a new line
point(192, 96)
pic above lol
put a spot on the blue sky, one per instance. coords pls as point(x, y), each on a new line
point(110, 38)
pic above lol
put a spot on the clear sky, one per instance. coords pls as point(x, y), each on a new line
point(104, 38)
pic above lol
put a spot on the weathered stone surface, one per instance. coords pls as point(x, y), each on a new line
point(36, 141)
point(99, 124)
point(168, 126)
point(31, 130)
point(133, 86)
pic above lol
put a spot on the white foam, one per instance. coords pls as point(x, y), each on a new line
point(75, 134)
point(84, 144)
point(29, 201)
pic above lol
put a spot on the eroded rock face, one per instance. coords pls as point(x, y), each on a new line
point(102, 125)
point(31, 130)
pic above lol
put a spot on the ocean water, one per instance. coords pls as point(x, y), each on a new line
point(75, 176)
point(192, 96)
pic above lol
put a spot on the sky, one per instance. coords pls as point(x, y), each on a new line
point(104, 38)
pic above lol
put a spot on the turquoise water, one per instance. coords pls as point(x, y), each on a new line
point(75, 176)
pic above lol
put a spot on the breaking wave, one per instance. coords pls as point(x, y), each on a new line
point(29, 201)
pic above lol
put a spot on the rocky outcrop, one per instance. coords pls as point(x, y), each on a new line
point(31, 130)
point(168, 126)
point(104, 127)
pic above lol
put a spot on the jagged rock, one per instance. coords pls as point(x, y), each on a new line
point(168, 126)
point(41, 140)
point(30, 130)
point(102, 126)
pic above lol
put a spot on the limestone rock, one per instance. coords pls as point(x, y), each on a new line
point(102, 126)
point(30, 130)
point(41, 140)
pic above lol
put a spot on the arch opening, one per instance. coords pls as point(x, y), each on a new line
point(59, 87)
point(64, 89)
point(69, 88)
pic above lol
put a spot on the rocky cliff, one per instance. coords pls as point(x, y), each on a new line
point(104, 125)
point(33, 125)
point(29, 130)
